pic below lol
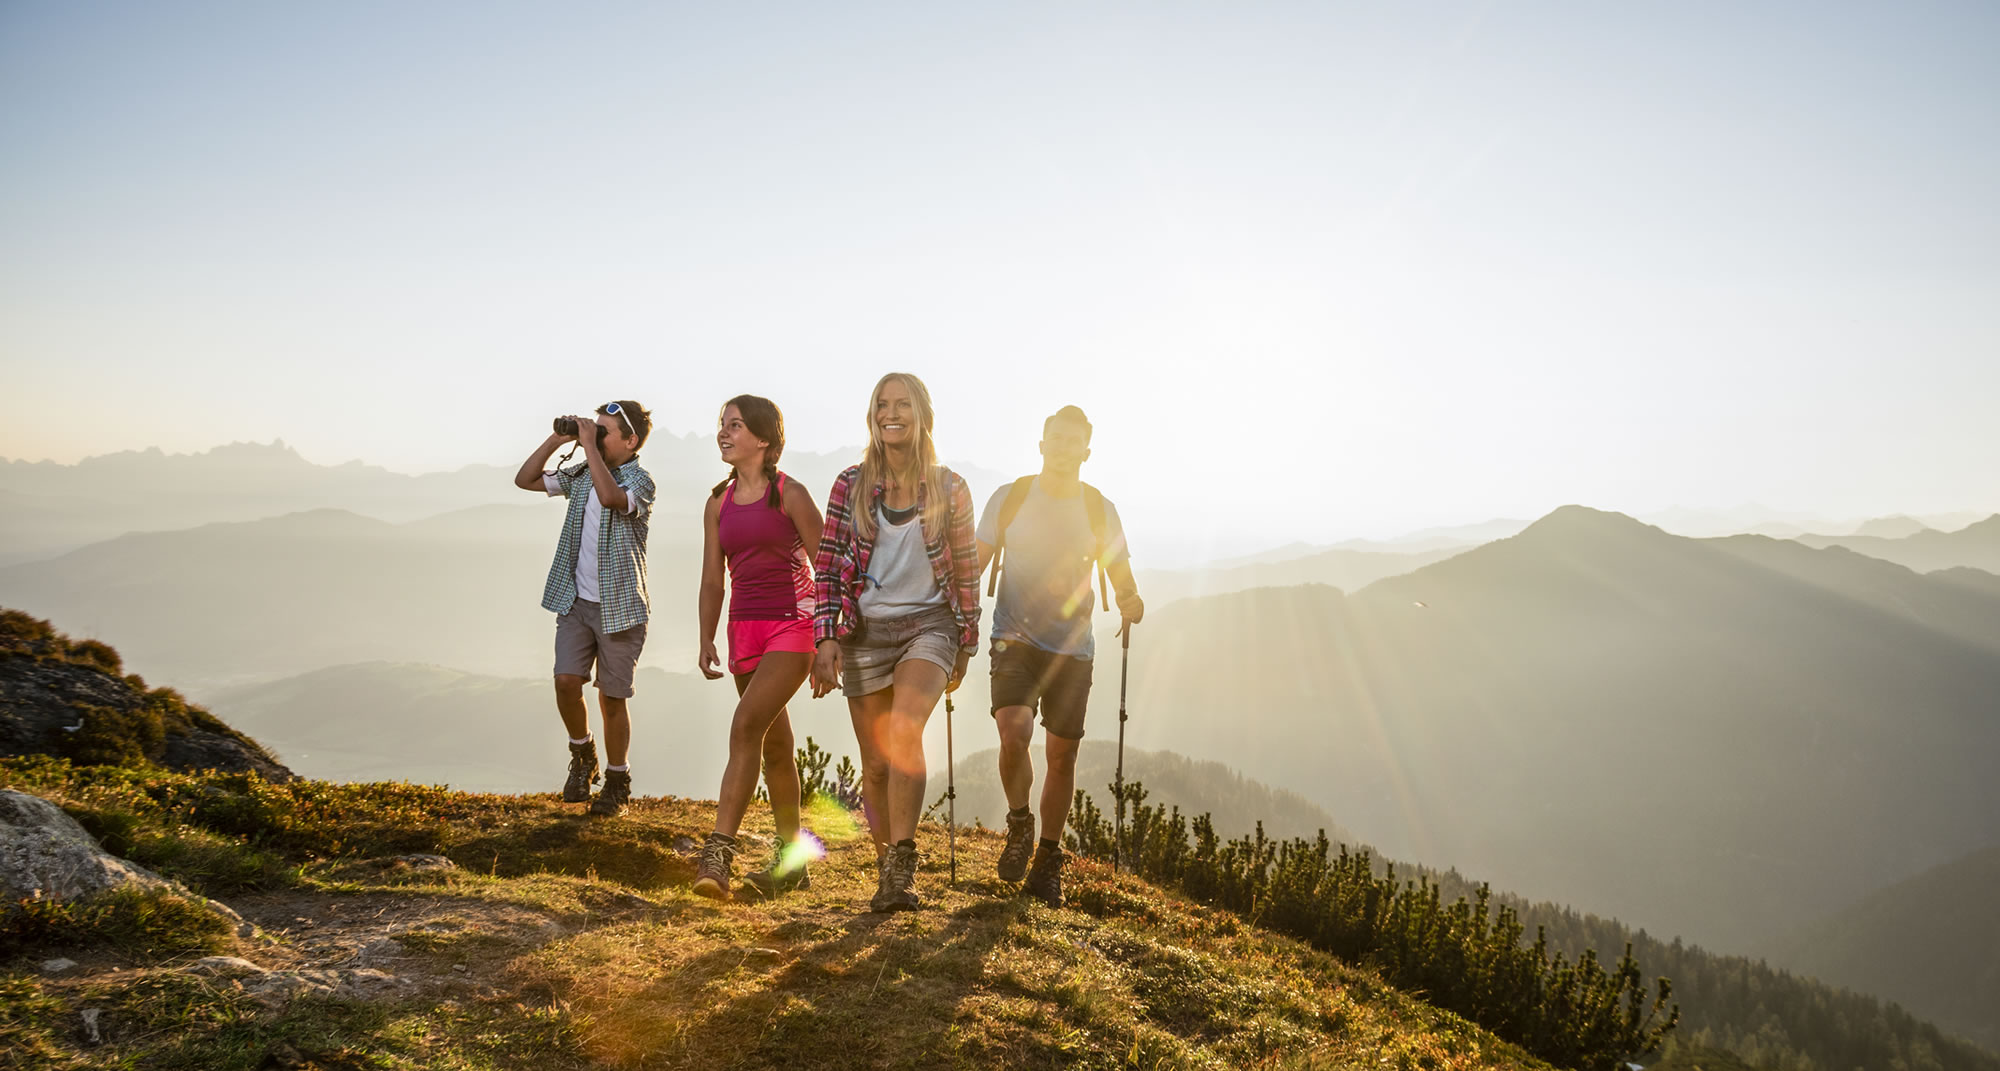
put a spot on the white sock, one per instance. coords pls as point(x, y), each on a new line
point(620, 768)
point(580, 743)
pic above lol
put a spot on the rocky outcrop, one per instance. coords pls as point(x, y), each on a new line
point(66, 698)
point(46, 855)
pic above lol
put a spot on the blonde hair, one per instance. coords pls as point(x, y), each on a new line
point(875, 460)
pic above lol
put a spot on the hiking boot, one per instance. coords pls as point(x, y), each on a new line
point(880, 901)
point(711, 875)
point(780, 877)
point(1020, 845)
point(1045, 877)
point(617, 791)
point(903, 879)
point(582, 772)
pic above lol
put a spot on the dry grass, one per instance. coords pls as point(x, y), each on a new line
point(561, 942)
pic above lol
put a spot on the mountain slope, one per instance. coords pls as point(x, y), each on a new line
point(1348, 570)
point(1930, 942)
point(1598, 712)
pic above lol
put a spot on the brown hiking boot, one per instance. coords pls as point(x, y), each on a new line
point(1020, 845)
point(880, 901)
point(617, 791)
point(1045, 877)
point(711, 875)
point(582, 772)
point(781, 877)
point(902, 879)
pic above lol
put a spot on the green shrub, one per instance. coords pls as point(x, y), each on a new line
point(112, 737)
point(1465, 957)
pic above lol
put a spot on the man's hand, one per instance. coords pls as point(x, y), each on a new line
point(587, 438)
point(1131, 607)
point(826, 667)
point(709, 664)
point(957, 677)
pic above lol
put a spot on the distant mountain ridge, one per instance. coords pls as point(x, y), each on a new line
point(51, 508)
point(1789, 735)
point(1976, 545)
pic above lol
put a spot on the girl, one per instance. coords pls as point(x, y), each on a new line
point(760, 523)
point(896, 615)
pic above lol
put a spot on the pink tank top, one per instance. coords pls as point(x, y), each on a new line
point(770, 573)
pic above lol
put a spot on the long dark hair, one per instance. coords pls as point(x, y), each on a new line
point(765, 421)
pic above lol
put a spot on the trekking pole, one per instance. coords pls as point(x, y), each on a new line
point(950, 792)
point(1124, 663)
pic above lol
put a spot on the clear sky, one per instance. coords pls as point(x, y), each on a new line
point(1326, 269)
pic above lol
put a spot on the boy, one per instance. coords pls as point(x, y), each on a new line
point(597, 587)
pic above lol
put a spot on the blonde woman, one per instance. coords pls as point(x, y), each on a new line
point(897, 614)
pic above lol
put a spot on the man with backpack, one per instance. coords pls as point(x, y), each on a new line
point(1042, 534)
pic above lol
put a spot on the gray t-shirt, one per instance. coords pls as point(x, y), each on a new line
point(899, 580)
point(1048, 589)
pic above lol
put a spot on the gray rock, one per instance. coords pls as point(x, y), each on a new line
point(45, 855)
point(57, 966)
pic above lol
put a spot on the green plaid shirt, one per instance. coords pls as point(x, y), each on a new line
point(621, 548)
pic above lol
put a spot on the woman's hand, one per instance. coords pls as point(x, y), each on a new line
point(957, 677)
point(708, 662)
point(826, 667)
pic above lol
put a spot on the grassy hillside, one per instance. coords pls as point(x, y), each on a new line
point(558, 942)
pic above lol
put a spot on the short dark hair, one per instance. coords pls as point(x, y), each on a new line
point(1070, 413)
point(636, 417)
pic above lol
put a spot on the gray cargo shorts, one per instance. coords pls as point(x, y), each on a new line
point(581, 640)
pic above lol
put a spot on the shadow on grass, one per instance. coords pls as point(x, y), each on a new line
point(874, 990)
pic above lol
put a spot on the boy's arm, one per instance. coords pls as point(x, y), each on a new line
point(530, 477)
point(609, 494)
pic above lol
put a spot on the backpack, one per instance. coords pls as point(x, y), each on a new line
point(1093, 508)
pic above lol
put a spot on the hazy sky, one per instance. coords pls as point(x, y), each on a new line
point(1324, 269)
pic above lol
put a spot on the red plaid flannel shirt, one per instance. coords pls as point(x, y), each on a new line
point(843, 558)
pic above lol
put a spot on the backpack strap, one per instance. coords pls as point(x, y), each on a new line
point(1093, 508)
point(1015, 496)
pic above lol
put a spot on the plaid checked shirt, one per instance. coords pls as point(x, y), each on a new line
point(843, 558)
point(621, 548)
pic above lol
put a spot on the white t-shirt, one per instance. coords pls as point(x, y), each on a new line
point(899, 581)
point(593, 519)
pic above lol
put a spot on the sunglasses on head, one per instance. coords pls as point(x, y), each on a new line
point(614, 409)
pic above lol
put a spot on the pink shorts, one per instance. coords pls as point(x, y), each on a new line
point(750, 641)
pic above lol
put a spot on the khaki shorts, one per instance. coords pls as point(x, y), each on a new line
point(869, 655)
point(581, 641)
